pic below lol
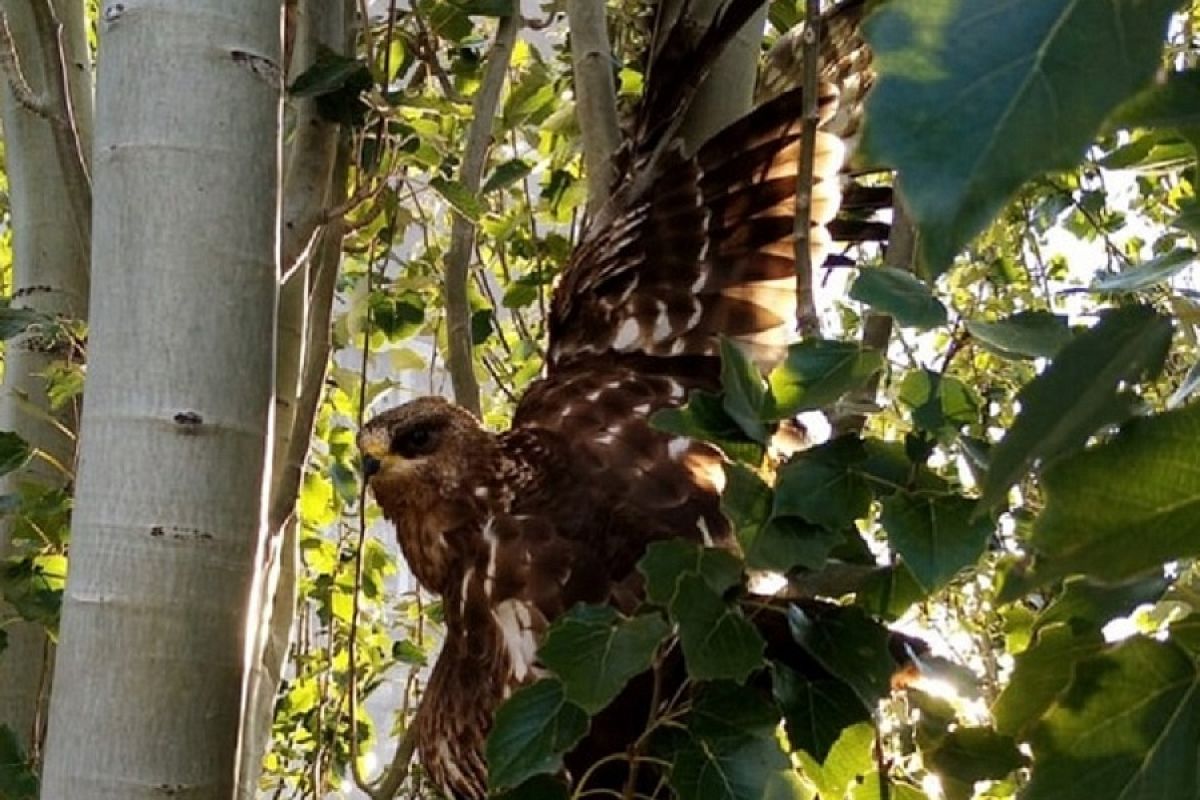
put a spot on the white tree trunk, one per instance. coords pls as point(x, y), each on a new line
point(176, 419)
point(50, 274)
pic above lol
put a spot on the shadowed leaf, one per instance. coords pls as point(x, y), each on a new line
point(974, 98)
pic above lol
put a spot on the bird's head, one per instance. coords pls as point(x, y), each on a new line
point(426, 445)
point(423, 461)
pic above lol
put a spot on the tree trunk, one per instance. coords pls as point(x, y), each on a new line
point(176, 422)
point(50, 274)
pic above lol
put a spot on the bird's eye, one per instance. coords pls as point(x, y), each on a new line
point(414, 441)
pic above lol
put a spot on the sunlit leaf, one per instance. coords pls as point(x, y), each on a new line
point(463, 201)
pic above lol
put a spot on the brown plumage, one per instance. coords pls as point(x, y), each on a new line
point(512, 529)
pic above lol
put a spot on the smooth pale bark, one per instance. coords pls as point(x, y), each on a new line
point(595, 97)
point(50, 274)
point(726, 94)
point(169, 511)
point(459, 360)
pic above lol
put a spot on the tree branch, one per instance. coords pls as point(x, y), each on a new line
point(462, 233)
point(68, 141)
point(595, 96)
point(877, 328)
point(808, 323)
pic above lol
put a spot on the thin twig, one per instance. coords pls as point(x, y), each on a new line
point(68, 142)
point(877, 329)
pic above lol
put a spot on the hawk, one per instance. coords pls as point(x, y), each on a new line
point(512, 529)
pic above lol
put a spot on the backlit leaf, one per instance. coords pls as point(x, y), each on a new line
point(817, 373)
point(1141, 487)
point(1127, 726)
point(1080, 392)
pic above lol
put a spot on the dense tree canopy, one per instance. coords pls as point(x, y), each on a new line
point(1004, 451)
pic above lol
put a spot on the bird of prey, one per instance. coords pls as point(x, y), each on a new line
point(512, 529)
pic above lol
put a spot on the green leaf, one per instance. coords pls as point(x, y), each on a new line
point(1096, 604)
point(667, 561)
point(816, 373)
point(704, 418)
point(464, 201)
point(1125, 506)
point(717, 641)
point(815, 711)
point(850, 760)
point(901, 294)
point(337, 82)
point(398, 317)
point(743, 391)
point(1026, 334)
point(939, 403)
point(974, 98)
point(1127, 726)
point(1040, 673)
point(595, 651)
point(15, 321)
point(507, 173)
point(408, 652)
point(967, 755)
point(1170, 103)
point(824, 485)
point(33, 586)
point(850, 646)
point(485, 8)
point(18, 781)
point(15, 452)
point(889, 593)
point(732, 752)
point(1079, 393)
point(1147, 275)
point(771, 543)
point(533, 729)
point(936, 535)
